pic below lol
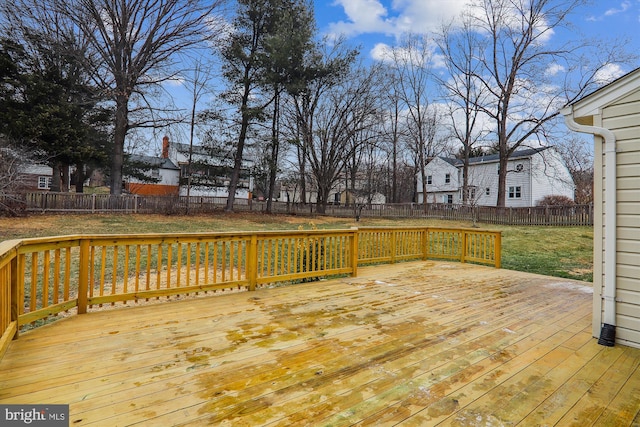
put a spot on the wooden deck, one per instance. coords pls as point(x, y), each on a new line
point(417, 344)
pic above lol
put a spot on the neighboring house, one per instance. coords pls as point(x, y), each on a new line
point(163, 173)
point(210, 171)
point(533, 173)
point(612, 115)
point(36, 177)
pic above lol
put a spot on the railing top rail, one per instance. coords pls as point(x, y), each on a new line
point(16, 244)
point(430, 228)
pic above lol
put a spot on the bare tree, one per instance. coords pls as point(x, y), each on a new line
point(391, 124)
point(411, 61)
point(197, 82)
point(325, 67)
point(579, 160)
point(463, 93)
point(344, 111)
point(136, 42)
point(13, 163)
point(519, 70)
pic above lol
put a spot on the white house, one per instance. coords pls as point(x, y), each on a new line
point(210, 171)
point(612, 115)
point(164, 173)
point(533, 173)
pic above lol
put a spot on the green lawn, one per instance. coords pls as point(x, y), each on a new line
point(554, 251)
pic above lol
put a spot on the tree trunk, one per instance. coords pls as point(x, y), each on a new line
point(502, 181)
point(80, 177)
point(56, 185)
point(65, 178)
point(237, 164)
point(120, 133)
point(323, 197)
point(275, 149)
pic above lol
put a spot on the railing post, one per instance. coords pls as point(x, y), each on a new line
point(393, 247)
point(83, 279)
point(354, 251)
point(252, 267)
point(16, 301)
point(423, 244)
point(498, 249)
point(463, 252)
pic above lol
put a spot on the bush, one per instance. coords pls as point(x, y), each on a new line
point(556, 201)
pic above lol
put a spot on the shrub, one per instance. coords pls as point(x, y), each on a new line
point(556, 201)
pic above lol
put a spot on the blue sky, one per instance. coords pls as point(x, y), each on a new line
point(370, 23)
point(374, 24)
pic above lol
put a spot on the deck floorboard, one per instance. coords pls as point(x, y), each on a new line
point(415, 344)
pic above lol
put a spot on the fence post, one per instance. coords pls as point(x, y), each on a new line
point(83, 279)
point(252, 267)
point(354, 251)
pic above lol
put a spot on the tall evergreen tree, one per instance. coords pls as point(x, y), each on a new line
point(48, 105)
point(289, 39)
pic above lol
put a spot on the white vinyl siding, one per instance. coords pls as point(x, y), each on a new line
point(623, 118)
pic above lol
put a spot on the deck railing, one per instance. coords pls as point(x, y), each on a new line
point(43, 277)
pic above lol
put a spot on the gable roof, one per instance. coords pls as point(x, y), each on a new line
point(156, 162)
point(591, 104)
point(490, 158)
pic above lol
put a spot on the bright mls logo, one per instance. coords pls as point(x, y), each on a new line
point(34, 415)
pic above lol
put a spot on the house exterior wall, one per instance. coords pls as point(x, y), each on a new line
point(550, 177)
point(439, 190)
point(36, 178)
point(218, 186)
point(622, 117)
point(529, 179)
point(168, 184)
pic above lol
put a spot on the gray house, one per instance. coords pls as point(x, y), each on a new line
point(612, 115)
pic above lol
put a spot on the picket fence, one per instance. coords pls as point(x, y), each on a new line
point(46, 202)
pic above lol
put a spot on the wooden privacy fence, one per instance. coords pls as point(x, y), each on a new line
point(130, 203)
point(42, 277)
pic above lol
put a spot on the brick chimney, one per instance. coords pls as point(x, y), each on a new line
point(165, 147)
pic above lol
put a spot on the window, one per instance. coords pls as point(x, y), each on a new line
point(472, 193)
point(515, 192)
point(450, 199)
point(429, 179)
point(44, 182)
point(487, 191)
point(447, 178)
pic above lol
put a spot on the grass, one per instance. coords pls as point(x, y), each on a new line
point(554, 251)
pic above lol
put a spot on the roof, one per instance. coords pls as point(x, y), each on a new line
point(158, 162)
point(489, 158)
point(199, 149)
point(591, 104)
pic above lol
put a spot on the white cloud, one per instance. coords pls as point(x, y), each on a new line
point(608, 73)
point(402, 16)
point(364, 16)
point(382, 52)
point(555, 69)
point(623, 8)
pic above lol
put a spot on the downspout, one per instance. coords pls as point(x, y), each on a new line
point(608, 331)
